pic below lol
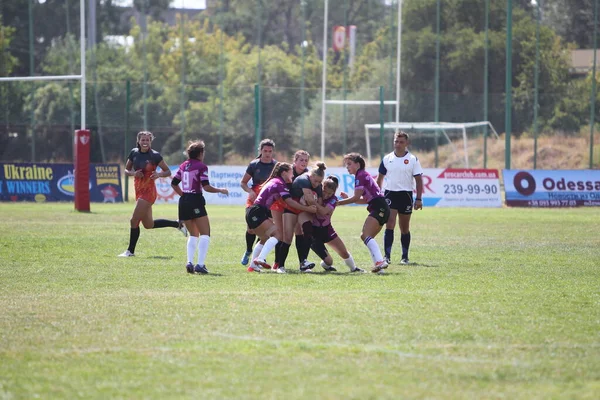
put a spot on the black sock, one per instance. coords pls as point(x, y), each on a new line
point(278, 251)
point(299, 246)
point(284, 249)
point(250, 238)
point(165, 223)
point(388, 241)
point(307, 228)
point(405, 239)
point(134, 235)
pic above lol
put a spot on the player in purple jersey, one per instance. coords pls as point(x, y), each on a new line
point(188, 183)
point(323, 232)
point(258, 171)
point(257, 216)
point(142, 164)
point(367, 191)
point(306, 189)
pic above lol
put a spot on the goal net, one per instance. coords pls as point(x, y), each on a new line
point(455, 140)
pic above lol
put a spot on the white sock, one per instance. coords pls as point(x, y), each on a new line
point(257, 249)
point(203, 243)
point(374, 250)
point(350, 262)
point(192, 243)
point(268, 246)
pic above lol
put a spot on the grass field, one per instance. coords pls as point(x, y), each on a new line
point(501, 303)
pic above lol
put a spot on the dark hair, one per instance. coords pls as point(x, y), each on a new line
point(195, 148)
point(318, 169)
point(331, 182)
point(265, 142)
point(400, 133)
point(357, 158)
point(140, 134)
point(279, 169)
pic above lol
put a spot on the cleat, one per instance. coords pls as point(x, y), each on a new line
point(404, 261)
point(382, 272)
point(358, 270)
point(126, 253)
point(306, 271)
point(328, 268)
point(246, 258)
point(281, 270)
point(306, 265)
point(254, 268)
point(262, 263)
point(182, 228)
point(379, 265)
point(200, 269)
point(388, 260)
point(275, 266)
point(189, 267)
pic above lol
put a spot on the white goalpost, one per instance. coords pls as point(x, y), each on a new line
point(435, 127)
point(80, 77)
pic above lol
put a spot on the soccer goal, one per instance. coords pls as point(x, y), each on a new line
point(435, 133)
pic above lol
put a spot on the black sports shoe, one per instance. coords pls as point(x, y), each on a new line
point(306, 265)
point(200, 269)
point(189, 267)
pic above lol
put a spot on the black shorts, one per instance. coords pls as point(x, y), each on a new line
point(401, 201)
point(378, 208)
point(192, 205)
point(324, 234)
point(256, 215)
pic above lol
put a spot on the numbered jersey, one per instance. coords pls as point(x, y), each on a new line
point(193, 174)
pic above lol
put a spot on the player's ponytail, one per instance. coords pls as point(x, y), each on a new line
point(279, 169)
point(319, 169)
point(331, 182)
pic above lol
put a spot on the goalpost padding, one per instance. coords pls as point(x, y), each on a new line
point(431, 126)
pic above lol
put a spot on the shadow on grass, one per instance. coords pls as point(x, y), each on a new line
point(422, 265)
point(161, 257)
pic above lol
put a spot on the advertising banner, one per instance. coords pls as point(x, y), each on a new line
point(441, 187)
point(552, 188)
point(56, 182)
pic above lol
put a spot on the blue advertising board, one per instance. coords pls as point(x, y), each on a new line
point(42, 182)
point(552, 188)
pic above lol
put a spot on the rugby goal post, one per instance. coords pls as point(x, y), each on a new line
point(438, 127)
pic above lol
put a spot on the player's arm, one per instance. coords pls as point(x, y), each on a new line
point(309, 197)
point(382, 172)
point(175, 185)
point(211, 189)
point(165, 173)
point(324, 210)
point(356, 198)
point(294, 204)
point(244, 183)
point(129, 170)
point(418, 199)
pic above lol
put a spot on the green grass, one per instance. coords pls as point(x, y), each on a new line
point(501, 303)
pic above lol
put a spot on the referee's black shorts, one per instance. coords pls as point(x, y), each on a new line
point(401, 200)
point(192, 205)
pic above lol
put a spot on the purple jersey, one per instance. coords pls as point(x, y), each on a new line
point(365, 181)
point(324, 220)
point(274, 189)
point(193, 174)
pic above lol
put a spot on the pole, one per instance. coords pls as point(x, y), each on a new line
point(344, 83)
point(303, 78)
point(145, 61)
point(82, 57)
point(398, 60)
point(256, 116)
point(593, 99)
point(324, 79)
point(381, 121)
point(535, 83)
point(31, 72)
point(508, 84)
point(183, 80)
point(486, 81)
point(259, 66)
point(127, 109)
point(390, 59)
point(437, 78)
point(221, 94)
